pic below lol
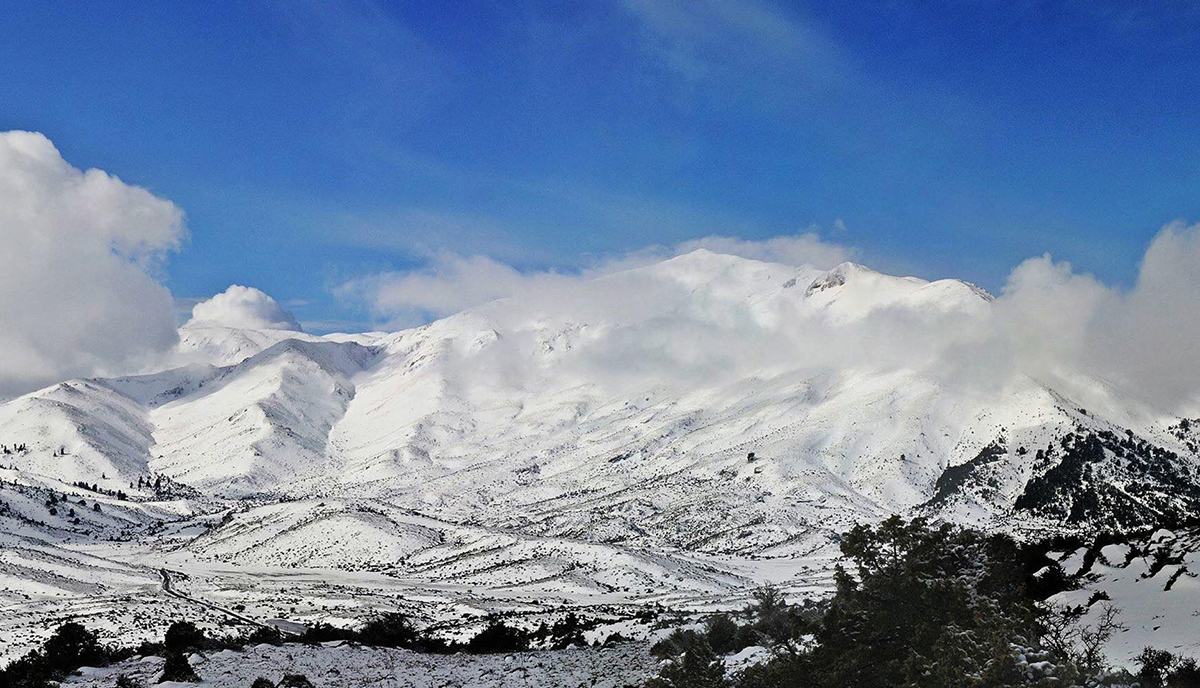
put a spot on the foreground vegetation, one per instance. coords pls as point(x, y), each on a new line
point(916, 606)
point(73, 646)
point(920, 607)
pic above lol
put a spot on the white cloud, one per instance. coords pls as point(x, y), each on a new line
point(451, 283)
point(750, 48)
point(693, 37)
point(1150, 337)
point(243, 307)
point(79, 248)
point(78, 296)
point(1070, 330)
point(692, 322)
point(803, 249)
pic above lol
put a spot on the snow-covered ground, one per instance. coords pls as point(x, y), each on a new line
point(678, 448)
point(338, 665)
point(1153, 582)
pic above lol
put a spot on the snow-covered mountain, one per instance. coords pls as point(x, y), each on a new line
point(667, 423)
point(621, 418)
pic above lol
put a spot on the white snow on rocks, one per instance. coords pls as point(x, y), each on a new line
point(349, 666)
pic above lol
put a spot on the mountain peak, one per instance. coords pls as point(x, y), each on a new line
point(837, 276)
point(707, 258)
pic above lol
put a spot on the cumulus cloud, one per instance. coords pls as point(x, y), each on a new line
point(803, 249)
point(80, 249)
point(709, 317)
point(451, 282)
point(243, 307)
point(1150, 337)
point(78, 296)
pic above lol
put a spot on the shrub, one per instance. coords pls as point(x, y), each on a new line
point(696, 668)
point(149, 647)
point(918, 606)
point(723, 634)
point(183, 636)
point(176, 668)
point(323, 633)
point(263, 635)
point(389, 630)
point(70, 647)
point(75, 646)
point(1186, 674)
point(787, 670)
point(1161, 669)
point(774, 619)
point(679, 642)
point(498, 637)
point(294, 681)
point(262, 682)
point(1155, 665)
point(925, 606)
point(747, 636)
point(566, 632)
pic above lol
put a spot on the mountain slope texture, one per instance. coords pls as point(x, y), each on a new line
point(678, 431)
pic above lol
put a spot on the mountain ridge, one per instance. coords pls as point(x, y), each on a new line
point(496, 402)
point(677, 433)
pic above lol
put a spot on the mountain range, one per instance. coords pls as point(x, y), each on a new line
point(691, 421)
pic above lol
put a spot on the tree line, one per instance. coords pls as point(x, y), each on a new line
point(918, 606)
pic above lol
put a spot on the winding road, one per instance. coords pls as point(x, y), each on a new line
point(166, 588)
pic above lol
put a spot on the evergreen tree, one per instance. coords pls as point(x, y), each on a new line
point(722, 634)
point(176, 668)
point(498, 636)
point(699, 667)
point(389, 630)
point(567, 632)
point(925, 607)
point(183, 636)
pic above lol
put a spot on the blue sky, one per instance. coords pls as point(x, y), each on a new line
point(310, 144)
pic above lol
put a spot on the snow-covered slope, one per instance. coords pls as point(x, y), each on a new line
point(267, 418)
point(1151, 578)
point(586, 416)
point(594, 439)
point(565, 413)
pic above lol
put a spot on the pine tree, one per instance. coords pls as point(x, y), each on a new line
point(696, 668)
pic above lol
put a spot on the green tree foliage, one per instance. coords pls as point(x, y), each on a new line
point(774, 619)
point(722, 634)
point(926, 606)
point(183, 636)
point(916, 605)
point(262, 635)
point(566, 632)
point(786, 670)
point(72, 646)
point(176, 668)
point(1161, 669)
point(698, 667)
point(498, 637)
point(324, 633)
point(389, 630)
point(677, 643)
